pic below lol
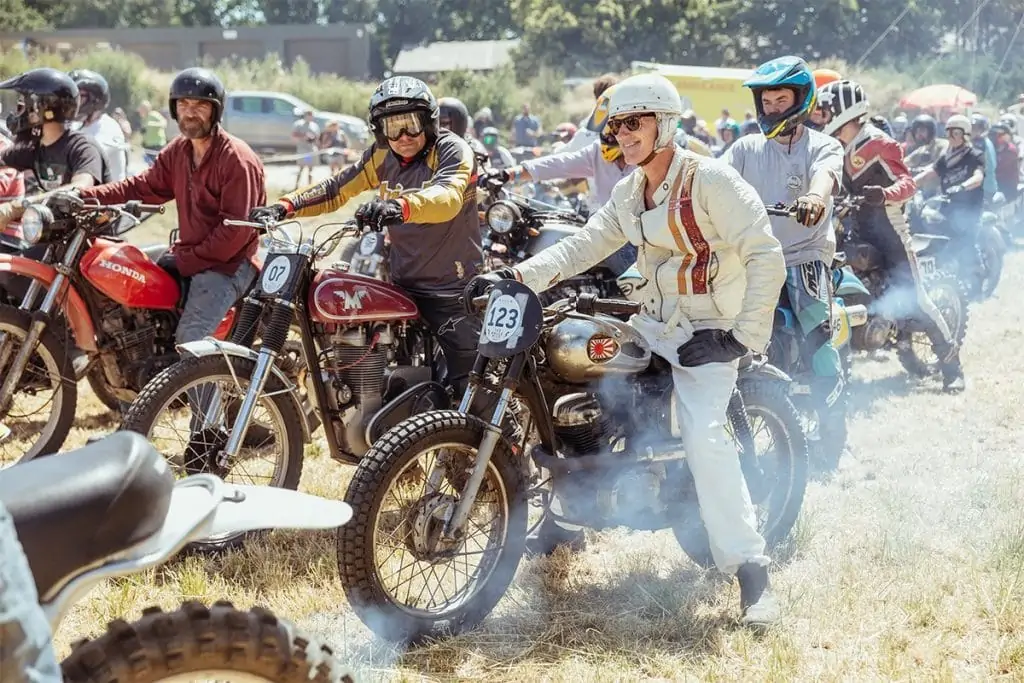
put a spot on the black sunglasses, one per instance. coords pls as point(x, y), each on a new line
point(632, 122)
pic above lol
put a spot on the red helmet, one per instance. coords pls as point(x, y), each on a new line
point(823, 77)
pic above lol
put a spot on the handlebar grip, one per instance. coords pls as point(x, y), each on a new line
point(152, 208)
point(775, 211)
point(617, 306)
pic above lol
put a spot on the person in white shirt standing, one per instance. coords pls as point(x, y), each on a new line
point(96, 124)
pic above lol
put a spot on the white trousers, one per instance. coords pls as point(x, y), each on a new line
point(702, 398)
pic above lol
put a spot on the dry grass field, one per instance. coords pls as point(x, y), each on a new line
point(908, 562)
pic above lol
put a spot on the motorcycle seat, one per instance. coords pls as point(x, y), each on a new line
point(75, 509)
point(155, 251)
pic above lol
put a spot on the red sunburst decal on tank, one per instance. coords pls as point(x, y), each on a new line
point(602, 349)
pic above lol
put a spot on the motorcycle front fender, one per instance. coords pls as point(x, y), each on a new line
point(849, 283)
point(75, 310)
point(209, 346)
point(760, 368)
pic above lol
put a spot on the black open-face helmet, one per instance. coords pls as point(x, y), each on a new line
point(197, 83)
point(49, 93)
point(926, 122)
point(456, 113)
point(93, 92)
point(404, 95)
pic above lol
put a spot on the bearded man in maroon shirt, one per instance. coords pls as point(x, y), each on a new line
point(213, 176)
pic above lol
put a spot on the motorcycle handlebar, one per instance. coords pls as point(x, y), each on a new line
point(589, 304)
point(781, 210)
point(138, 208)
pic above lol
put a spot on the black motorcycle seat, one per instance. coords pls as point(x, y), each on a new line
point(155, 251)
point(74, 509)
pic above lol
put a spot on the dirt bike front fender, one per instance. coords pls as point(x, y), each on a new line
point(416, 399)
point(216, 347)
point(760, 368)
point(73, 306)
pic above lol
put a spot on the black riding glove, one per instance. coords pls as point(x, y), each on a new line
point(380, 213)
point(274, 212)
point(710, 346)
point(481, 284)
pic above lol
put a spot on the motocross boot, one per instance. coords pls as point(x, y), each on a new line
point(949, 363)
point(759, 606)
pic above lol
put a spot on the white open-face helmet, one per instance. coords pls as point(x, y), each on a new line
point(959, 121)
point(649, 93)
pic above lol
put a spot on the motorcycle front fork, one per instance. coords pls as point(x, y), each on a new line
point(213, 410)
point(455, 527)
point(38, 326)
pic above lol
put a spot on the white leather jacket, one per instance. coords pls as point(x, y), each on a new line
point(724, 269)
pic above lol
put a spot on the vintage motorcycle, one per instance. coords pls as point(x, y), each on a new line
point(609, 441)
point(113, 509)
point(928, 220)
point(362, 362)
point(98, 293)
point(519, 227)
point(826, 430)
point(889, 325)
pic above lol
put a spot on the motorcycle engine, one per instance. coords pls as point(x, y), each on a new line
point(581, 423)
point(143, 341)
point(355, 380)
point(864, 258)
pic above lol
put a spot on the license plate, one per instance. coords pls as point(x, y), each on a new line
point(927, 265)
point(278, 276)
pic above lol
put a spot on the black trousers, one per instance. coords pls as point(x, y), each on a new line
point(456, 332)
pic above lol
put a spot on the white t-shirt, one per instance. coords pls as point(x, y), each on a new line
point(107, 134)
point(781, 173)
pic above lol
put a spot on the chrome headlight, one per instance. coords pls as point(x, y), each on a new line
point(502, 216)
point(32, 225)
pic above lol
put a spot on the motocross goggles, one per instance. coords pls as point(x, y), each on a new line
point(397, 125)
point(490, 140)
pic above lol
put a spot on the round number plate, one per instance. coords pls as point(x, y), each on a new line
point(276, 273)
point(502, 319)
point(368, 244)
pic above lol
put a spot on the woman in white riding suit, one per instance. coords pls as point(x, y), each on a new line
point(705, 242)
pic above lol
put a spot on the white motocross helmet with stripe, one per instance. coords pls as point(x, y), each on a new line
point(845, 101)
point(649, 93)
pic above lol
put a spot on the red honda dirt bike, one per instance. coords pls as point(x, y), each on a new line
point(99, 293)
point(362, 340)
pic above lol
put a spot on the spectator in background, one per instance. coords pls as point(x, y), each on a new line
point(333, 142)
point(122, 120)
point(306, 134)
point(723, 119)
point(153, 127)
point(527, 128)
point(482, 119)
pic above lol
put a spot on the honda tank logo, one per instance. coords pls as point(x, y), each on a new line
point(123, 270)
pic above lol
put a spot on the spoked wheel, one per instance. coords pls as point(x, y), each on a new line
point(43, 407)
point(991, 253)
point(200, 643)
point(401, 575)
point(169, 412)
point(914, 349)
point(773, 455)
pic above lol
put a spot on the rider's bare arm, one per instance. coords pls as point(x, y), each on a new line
point(739, 216)
point(975, 181)
point(597, 240)
point(826, 170)
point(452, 185)
point(927, 176)
point(334, 192)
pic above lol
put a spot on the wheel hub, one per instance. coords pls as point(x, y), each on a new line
point(429, 518)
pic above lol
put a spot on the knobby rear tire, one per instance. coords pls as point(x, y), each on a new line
point(196, 638)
